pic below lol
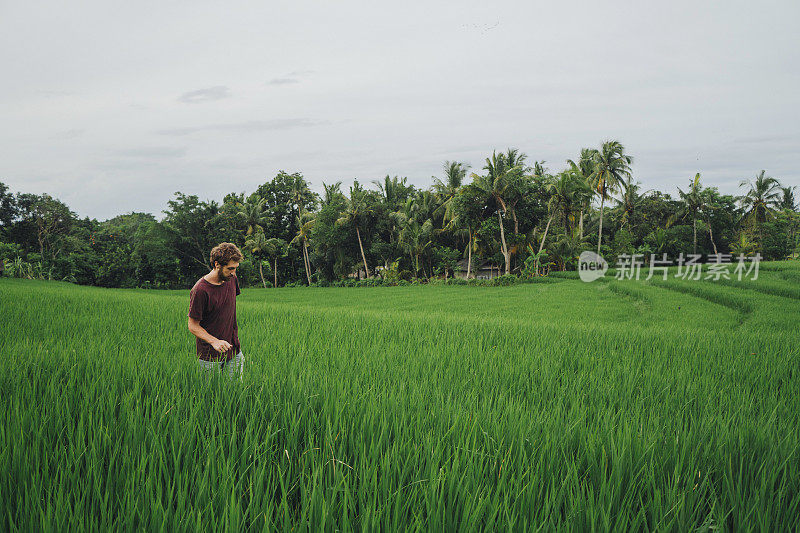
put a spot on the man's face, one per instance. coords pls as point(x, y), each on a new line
point(226, 272)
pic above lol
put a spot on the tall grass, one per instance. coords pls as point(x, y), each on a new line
point(563, 405)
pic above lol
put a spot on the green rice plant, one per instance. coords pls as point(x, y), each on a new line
point(631, 290)
point(708, 291)
point(543, 406)
point(774, 286)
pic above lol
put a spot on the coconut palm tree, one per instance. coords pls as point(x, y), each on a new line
point(424, 206)
point(693, 202)
point(400, 218)
point(787, 201)
point(585, 169)
point(707, 207)
point(629, 202)
point(493, 187)
point(612, 166)
point(743, 245)
point(356, 209)
point(552, 206)
point(659, 240)
point(468, 209)
point(415, 238)
point(331, 193)
point(300, 195)
point(539, 170)
point(563, 200)
point(761, 200)
point(446, 190)
point(393, 190)
point(252, 213)
point(305, 223)
point(516, 169)
point(464, 228)
point(275, 248)
point(568, 248)
point(257, 244)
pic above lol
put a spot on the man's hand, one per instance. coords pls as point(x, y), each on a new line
point(221, 346)
point(199, 332)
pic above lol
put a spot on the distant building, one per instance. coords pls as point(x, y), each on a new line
point(480, 270)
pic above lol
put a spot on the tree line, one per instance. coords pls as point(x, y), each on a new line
point(519, 218)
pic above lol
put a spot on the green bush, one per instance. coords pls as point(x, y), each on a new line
point(504, 280)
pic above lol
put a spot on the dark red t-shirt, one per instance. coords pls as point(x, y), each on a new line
point(215, 307)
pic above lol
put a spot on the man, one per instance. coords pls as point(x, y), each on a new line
point(212, 313)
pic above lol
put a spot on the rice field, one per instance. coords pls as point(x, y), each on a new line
point(617, 405)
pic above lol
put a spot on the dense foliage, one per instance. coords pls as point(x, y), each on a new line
point(516, 218)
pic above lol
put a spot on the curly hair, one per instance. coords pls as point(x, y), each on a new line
point(224, 253)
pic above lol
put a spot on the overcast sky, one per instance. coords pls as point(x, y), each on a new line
point(114, 106)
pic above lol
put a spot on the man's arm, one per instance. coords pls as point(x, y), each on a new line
point(201, 333)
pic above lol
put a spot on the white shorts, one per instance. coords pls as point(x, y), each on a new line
point(232, 368)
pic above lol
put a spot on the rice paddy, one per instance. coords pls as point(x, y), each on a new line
point(625, 405)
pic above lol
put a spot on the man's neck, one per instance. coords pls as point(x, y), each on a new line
point(213, 278)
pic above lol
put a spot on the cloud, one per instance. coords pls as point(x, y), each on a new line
point(248, 126)
point(283, 81)
point(290, 78)
point(209, 94)
point(152, 152)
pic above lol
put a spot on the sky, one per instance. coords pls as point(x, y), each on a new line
point(112, 107)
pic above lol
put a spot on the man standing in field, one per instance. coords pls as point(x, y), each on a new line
point(212, 313)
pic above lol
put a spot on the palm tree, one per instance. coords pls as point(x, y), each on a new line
point(563, 199)
point(400, 218)
point(707, 207)
point(629, 202)
point(660, 240)
point(394, 190)
point(424, 206)
point(464, 228)
point(762, 198)
point(743, 245)
point(468, 211)
point(356, 208)
point(257, 244)
point(551, 205)
point(611, 167)
point(516, 169)
point(569, 246)
point(539, 170)
point(299, 195)
point(760, 201)
point(415, 239)
point(585, 169)
point(331, 193)
point(787, 201)
point(446, 190)
point(305, 223)
point(275, 248)
point(494, 186)
point(253, 214)
point(693, 203)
